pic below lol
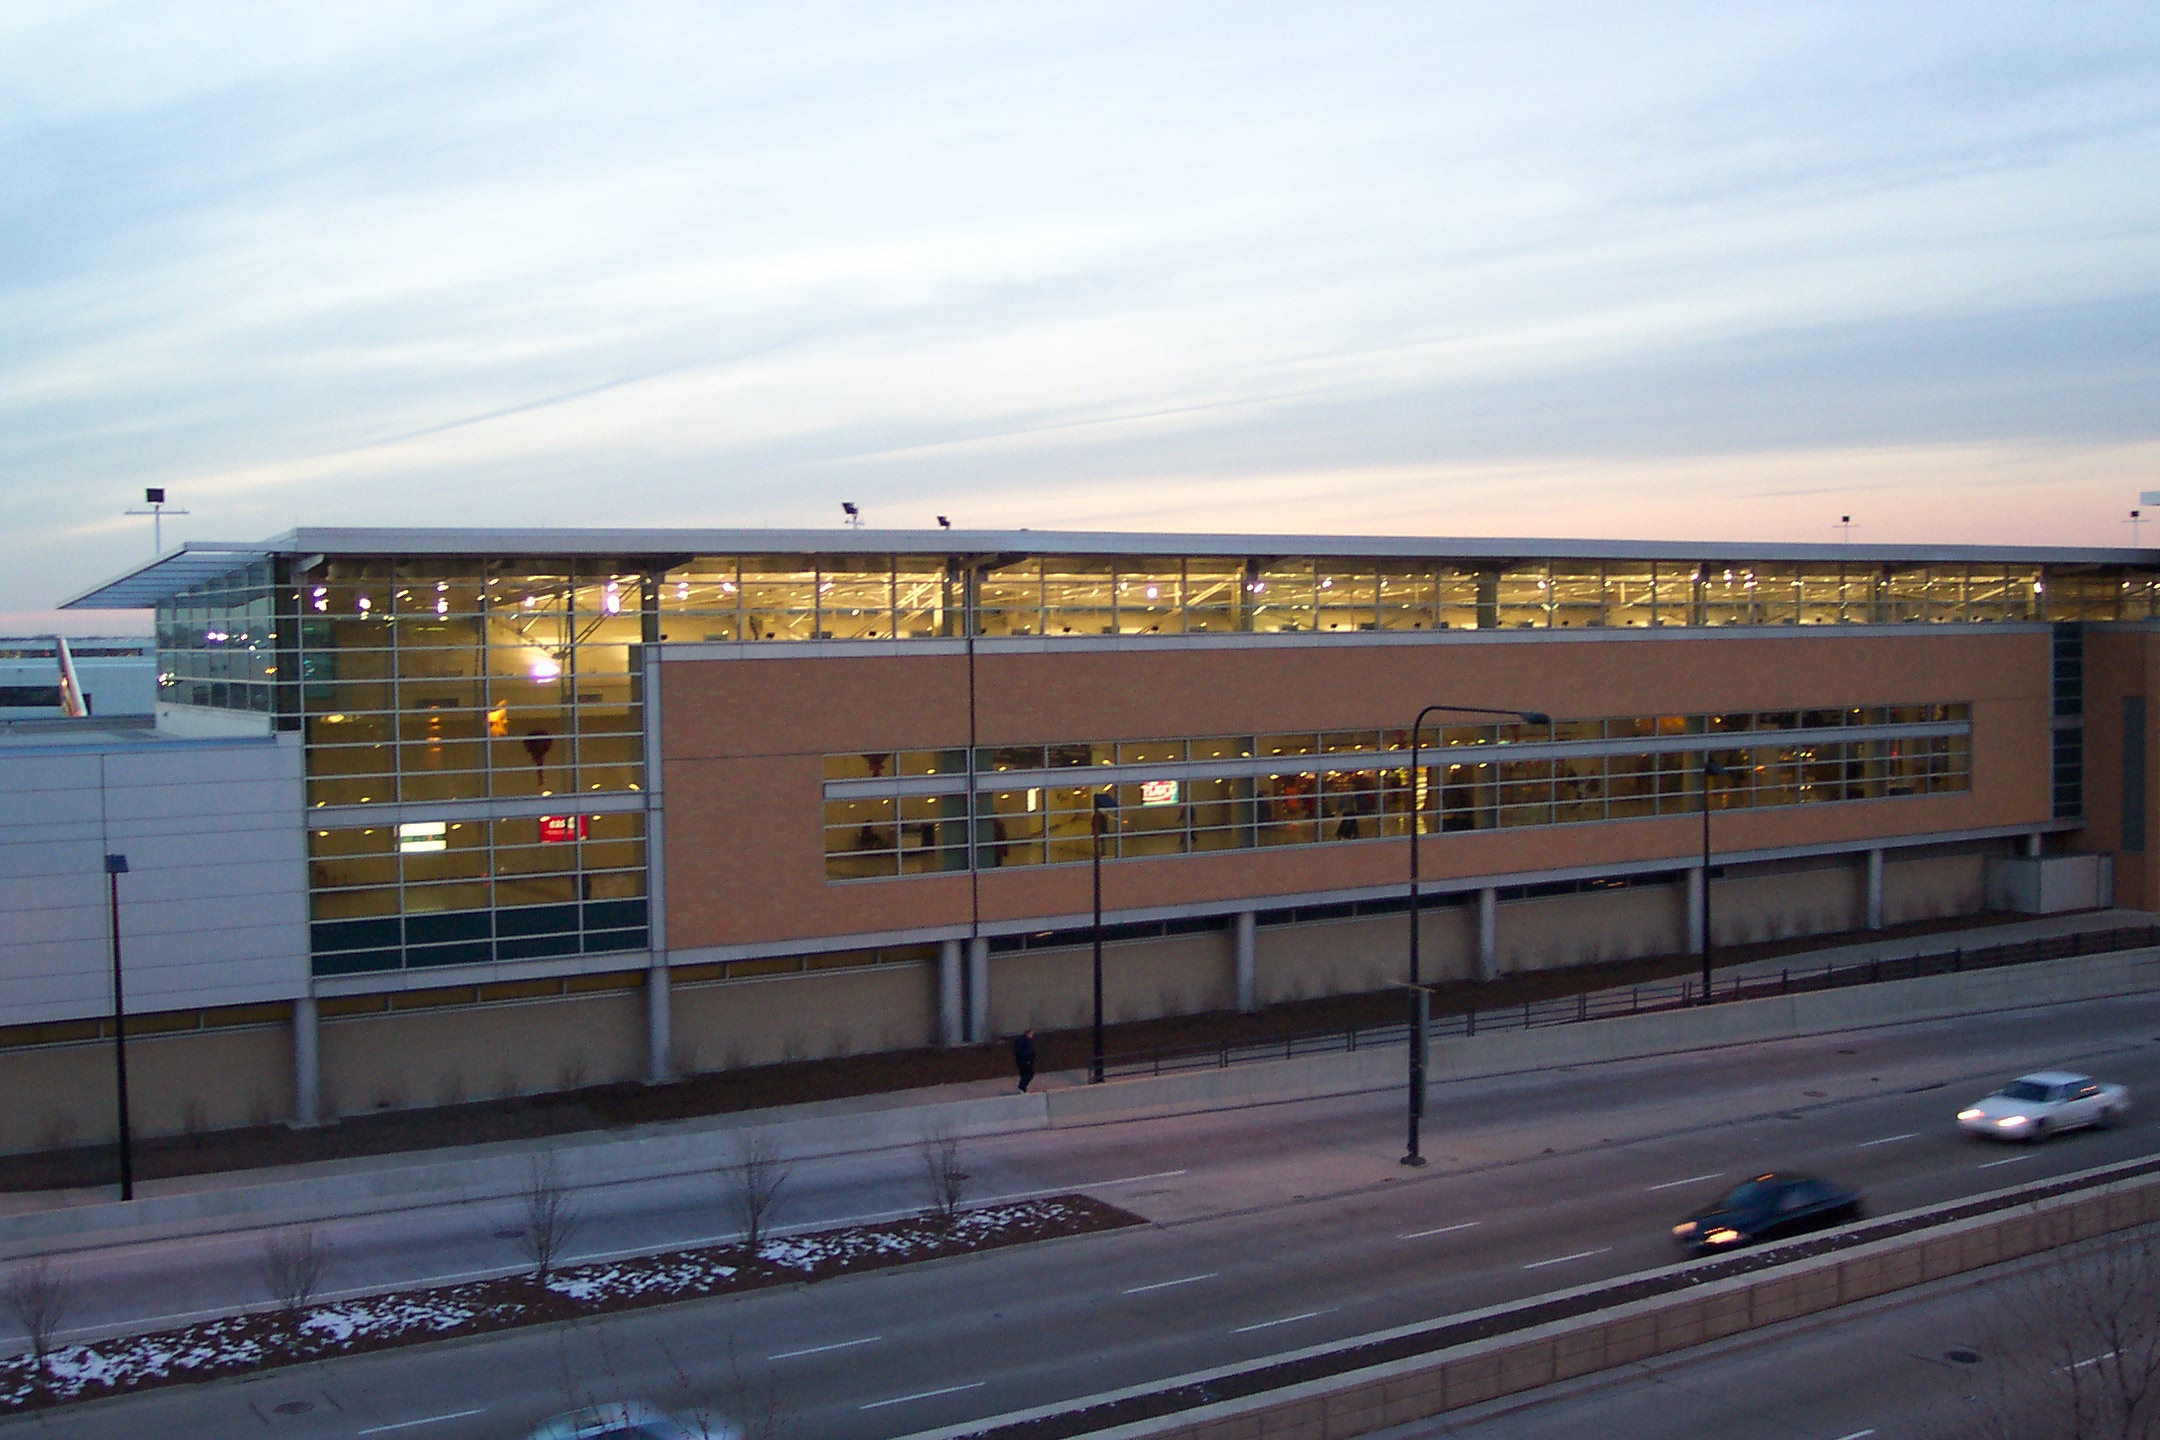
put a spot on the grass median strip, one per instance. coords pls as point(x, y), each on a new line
point(240, 1344)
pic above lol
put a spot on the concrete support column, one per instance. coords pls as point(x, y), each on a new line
point(2034, 845)
point(978, 990)
point(659, 1025)
point(1874, 889)
point(307, 1063)
point(1488, 934)
point(1248, 970)
point(1694, 911)
point(952, 992)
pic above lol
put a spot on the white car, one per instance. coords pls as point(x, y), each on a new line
point(2037, 1105)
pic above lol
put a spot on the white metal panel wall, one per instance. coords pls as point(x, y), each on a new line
point(213, 910)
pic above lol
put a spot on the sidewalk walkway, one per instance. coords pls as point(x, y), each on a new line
point(35, 1221)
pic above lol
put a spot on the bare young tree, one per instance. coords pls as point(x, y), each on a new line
point(940, 1152)
point(755, 1182)
point(2069, 1348)
point(293, 1262)
point(549, 1217)
point(39, 1298)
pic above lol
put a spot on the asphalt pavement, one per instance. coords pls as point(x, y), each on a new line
point(1274, 1227)
point(1955, 1360)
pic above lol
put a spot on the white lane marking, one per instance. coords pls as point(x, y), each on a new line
point(1857, 1435)
point(1563, 1259)
point(1166, 1284)
point(821, 1349)
point(1286, 1320)
point(1886, 1140)
point(924, 1395)
point(1691, 1180)
point(1991, 1164)
point(2066, 1369)
point(1443, 1230)
point(430, 1420)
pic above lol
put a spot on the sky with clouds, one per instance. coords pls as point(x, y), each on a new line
point(1661, 270)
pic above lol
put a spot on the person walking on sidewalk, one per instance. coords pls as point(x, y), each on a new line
point(1024, 1058)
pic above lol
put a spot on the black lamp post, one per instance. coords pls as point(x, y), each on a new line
point(1711, 767)
point(1420, 1001)
point(115, 867)
point(1105, 804)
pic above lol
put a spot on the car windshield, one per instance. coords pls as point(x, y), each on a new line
point(1755, 1195)
point(2023, 1090)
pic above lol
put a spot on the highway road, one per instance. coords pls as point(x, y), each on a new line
point(1273, 1228)
point(1955, 1360)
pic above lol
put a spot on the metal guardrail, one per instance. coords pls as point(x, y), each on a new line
point(1636, 1000)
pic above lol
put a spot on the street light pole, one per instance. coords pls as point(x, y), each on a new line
point(1711, 767)
point(115, 867)
point(1420, 999)
point(1105, 802)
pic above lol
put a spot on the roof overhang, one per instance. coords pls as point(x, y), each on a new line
point(168, 575)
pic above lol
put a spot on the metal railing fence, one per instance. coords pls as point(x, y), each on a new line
point(1633, 1000)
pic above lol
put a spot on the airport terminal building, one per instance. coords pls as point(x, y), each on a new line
point(438, 815)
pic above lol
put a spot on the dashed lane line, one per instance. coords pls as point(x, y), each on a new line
point(1886, 1140)
point(1443, 1230)
point(1563, 1259)
point(1691, 1180)
point(1286, 1320)
point(429, 1420)
point(924, 1395)
point(1166, 1284)
point(821, 1349)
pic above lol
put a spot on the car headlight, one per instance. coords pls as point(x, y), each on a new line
point(2010, 1122)
point(1684, 1229)
point(1972, 1114)
point(1721, 1237)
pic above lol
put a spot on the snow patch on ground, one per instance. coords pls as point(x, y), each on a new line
point(248, 1342)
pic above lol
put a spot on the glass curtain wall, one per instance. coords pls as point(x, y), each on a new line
point(218, 643)
point(458, 685)
point(469, 680)
point(1320, 788)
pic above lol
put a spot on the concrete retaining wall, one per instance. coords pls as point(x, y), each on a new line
point(1423, 1386)
point(812, 1016)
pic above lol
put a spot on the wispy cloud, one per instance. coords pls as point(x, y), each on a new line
point(1257, 267)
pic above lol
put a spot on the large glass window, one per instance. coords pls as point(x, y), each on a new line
point(1185, 796)
point(440, 679)
point(475, 891)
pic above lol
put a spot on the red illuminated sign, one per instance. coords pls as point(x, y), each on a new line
point(562, 829)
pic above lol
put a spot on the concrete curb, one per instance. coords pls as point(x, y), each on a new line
point(499, 1172)
point(1419, 1387)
